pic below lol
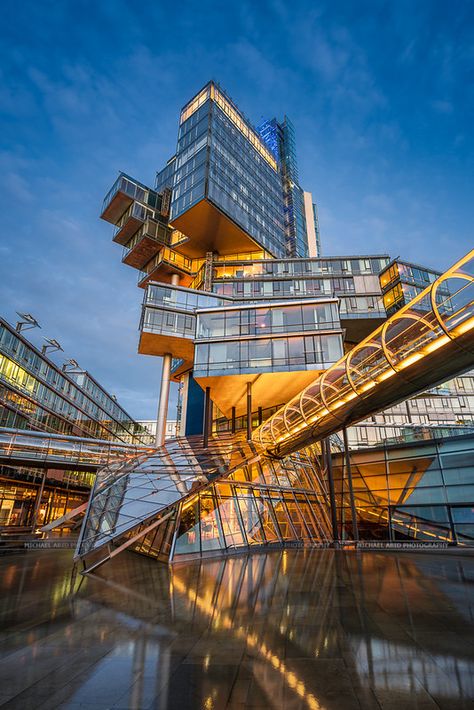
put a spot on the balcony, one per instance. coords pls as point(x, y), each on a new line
point(123, 192)
point(167, 331)
point(166, 263)
point(146, 243)
point(131, 221)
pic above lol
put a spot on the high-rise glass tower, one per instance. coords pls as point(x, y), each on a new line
point(280, 138)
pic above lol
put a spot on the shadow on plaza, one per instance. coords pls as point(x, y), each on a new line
point(293, 629)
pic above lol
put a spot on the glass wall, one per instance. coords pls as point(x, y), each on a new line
point(160, 321)
point(267, 320)
point(190, 167)
point(267, 503)
point(242, 175)
point(129, 187)
point(361, 306)
point(286, 288)
point(418, 492)
point(355, 266)
point(409, 273)
point(245, 185)
point(172, 297)
point(309, 352)
point(18, 499)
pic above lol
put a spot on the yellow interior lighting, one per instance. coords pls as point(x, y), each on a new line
point(409, 360)
point(464, 327)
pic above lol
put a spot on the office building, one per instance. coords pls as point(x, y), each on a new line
point(285, 360)
point(247, 316)
point(38, 395)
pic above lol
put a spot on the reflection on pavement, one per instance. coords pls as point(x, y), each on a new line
point(293, 629)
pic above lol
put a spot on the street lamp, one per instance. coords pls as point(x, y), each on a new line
point(52, 345)
point(27, 321)
point(71, 365)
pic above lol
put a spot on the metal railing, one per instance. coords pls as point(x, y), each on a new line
point(129, 187)
point(37, 449)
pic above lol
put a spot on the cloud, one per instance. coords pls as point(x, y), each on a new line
point(369, 90)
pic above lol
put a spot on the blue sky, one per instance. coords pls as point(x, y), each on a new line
point(380, 93)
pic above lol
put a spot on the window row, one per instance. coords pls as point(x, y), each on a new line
point(265, 355)
point(275, 267)
point(39, 368)
point(255, 321)
point(158, 321)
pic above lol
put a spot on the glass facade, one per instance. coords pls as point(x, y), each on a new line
point(221, 158)
point(245, 186)
point(36, 394)
point(20, 500)
point(264, 504)
point(184, 299)
point(266, 268)
point(401, 281)
point(280, 139)
point(415, 345)
point(279, 354)
point(183, 511)
point(128, 187)
point(156, 320)
point(269, 319)
point(410, 492)
point(449, 407)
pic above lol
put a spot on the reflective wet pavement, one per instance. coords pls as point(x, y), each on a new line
point(297, 629)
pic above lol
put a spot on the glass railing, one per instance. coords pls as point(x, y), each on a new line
point(135, 211)
point(168, 256)
point(174, 297)
point(178, 237)
point(128, 187)
point(151, 229)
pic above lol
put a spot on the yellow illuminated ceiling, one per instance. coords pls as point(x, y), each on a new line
point(211, 230)
point(162, 343)
point(268, 389)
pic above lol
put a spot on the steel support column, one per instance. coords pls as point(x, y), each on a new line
point(207, 417)
point(332, 495)
point(249, 410)
point(163, 401)
point(347, 455)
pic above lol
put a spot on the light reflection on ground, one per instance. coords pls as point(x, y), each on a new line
point(294, 629)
